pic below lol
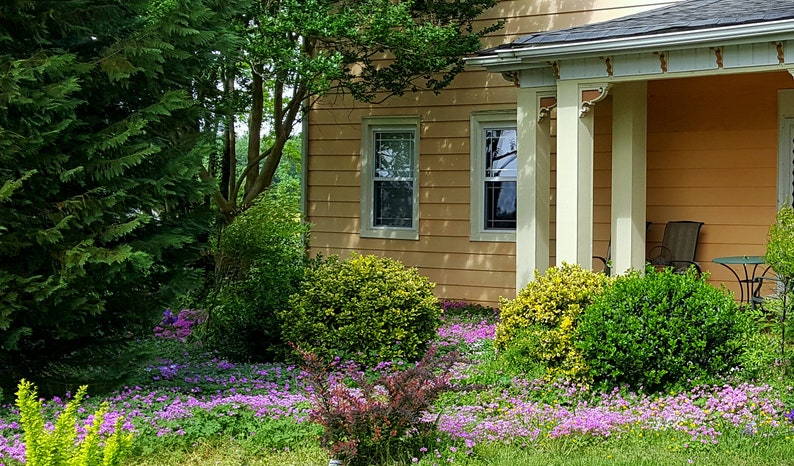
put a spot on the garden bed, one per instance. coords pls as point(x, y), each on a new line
point(206, 410)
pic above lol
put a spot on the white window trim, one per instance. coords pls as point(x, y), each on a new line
point(480, 122)
point(368, 127)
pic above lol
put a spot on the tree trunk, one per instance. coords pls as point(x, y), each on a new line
point(255, 129)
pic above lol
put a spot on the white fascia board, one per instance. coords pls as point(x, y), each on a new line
point(540, 54)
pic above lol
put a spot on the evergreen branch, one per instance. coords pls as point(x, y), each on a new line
point(10, 186)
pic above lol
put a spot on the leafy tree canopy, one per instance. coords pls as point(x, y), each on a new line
point(296, 51)
point(110, 112)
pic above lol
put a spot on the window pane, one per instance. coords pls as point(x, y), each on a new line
point(393, 204)
point(500, 205)
point(500, 153)
point(394, 154)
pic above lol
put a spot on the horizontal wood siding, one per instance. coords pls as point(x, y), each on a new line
point(712, 157)
point(698, 167)
point(523, 16)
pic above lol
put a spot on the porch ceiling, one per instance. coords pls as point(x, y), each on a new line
point(692, 36)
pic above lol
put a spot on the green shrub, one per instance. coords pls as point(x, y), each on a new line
point(660, 329)
point(62, 446)
point(259, 264)
point(760, 359)
point(780, 243)
point(780, 255)
point(521, 355)
point(540, 322)
point(367, 308)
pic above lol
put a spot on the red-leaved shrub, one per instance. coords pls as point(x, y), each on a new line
point(374, 416)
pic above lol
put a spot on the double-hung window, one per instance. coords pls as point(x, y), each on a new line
point(493, 176)
point(389, 177)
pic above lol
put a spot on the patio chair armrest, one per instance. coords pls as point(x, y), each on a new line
point(660, 255)
point(605, 262)
point(688, 265)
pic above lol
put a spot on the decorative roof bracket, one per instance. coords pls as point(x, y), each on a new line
point(662, 61)
point(608, 65)
point(547, 104)
point(513, 77)
point(718, 55)
point(555, 69)
point(592, 96)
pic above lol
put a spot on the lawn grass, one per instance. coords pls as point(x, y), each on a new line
point(227, 452)
point(203, 410)
point(664, 450)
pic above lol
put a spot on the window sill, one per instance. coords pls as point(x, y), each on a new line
point(494, 237)
point(390, 233)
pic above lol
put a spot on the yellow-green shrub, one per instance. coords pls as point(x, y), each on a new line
point(60, 447)
point(367, 308)
point(542, 319)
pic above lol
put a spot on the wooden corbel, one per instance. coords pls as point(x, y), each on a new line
point(608, 65)
point(662, 61)
point(555, 69)
point(547, 104)
point(590, 97)
point(718, 56)
point(781, 52)
point(513, 77)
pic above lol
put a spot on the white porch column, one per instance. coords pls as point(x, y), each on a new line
point(575, 172)
point(629, 155)
point(533, 184)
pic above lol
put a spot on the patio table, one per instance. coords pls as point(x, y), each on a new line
point(747, 275)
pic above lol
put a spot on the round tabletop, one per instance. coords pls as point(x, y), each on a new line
point(740, 260)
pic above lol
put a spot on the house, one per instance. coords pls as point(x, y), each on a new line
point(584, 119)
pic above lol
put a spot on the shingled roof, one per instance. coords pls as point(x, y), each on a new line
point(689, 15)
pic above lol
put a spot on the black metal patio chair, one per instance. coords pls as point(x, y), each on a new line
point(678, 248)
point(607, 259)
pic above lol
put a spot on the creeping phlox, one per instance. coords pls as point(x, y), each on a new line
point(530, 413)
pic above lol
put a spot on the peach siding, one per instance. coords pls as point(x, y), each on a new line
point(712, 157)
point(701, 164)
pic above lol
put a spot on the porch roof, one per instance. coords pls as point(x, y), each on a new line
point(685, 25)
point(691, 15)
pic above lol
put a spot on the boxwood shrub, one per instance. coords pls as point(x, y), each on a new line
point(660, 329)
point(366, 308)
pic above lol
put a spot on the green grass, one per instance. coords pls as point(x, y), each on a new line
point(665, 450)
point(227, 452)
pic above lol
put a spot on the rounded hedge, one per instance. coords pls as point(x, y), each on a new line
point(540, 323)
point(661, 329)
point(367, 309)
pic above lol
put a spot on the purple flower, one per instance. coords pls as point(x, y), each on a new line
point(179, 326)
point(168, 317)
point(790, 416)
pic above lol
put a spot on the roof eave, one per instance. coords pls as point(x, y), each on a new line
point(541, 54)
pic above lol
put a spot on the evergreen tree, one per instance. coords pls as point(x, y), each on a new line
point(104, 110)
